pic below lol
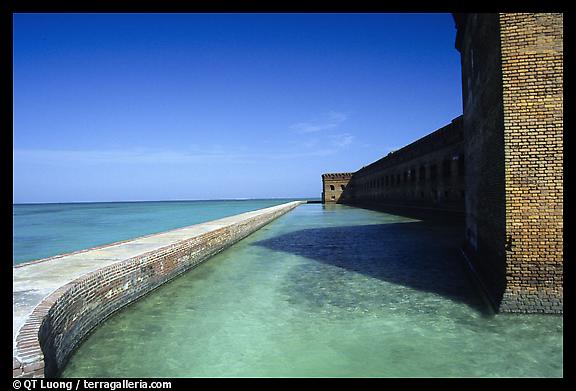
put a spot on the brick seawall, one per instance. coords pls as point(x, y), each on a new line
point(58, 301)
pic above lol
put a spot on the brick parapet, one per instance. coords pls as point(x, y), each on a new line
point(60, 322)
point(338, 175)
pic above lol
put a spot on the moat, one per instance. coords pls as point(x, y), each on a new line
point(328, 291)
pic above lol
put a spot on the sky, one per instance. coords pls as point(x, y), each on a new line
point(136, 107)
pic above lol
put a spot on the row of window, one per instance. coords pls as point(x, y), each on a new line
point(449, 194)
point(410, 175)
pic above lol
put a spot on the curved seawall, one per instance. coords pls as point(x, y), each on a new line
point(58, 301)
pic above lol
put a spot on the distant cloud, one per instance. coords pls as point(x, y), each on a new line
point(314, 146)
point(329, 121)
point(307, 127)
point(134, 155)
point(337, 117)
point(341, 140)
point(311, 143)
point(166, 156)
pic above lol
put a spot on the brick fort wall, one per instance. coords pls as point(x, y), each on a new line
point(483, 122)
point(501, 162)
point(427, 173)
point(532, 74)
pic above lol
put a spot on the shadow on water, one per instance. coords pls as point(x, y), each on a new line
point(454, 217)
point(421, 255)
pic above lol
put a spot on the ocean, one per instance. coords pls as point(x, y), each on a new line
point(45, 230)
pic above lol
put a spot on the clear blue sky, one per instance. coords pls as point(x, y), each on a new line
point(111, 107)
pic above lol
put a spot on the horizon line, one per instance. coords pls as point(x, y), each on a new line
point(175, 200)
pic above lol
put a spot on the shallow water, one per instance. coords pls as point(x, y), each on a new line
point(45, 230)
point(325, 291)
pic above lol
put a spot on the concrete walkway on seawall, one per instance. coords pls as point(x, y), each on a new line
point(36, 280)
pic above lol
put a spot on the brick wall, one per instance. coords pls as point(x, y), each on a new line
point(532, 73)
point(428, 172)
point(483, 121)
point(510, 141)
point(60, 322)
point(512, 83)
point(334, 186)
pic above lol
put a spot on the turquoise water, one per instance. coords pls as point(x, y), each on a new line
point(325, 291)
point(44, 230)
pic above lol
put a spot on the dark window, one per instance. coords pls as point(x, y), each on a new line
point(413, 174)
point(342, 187)
point(461, 165)
point(331, 187)
point(433, 172)
point(405, 176)
point(422, 174)
point(446, 168)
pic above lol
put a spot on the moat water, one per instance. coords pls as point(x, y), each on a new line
point(45, 230)
point(325, 291)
